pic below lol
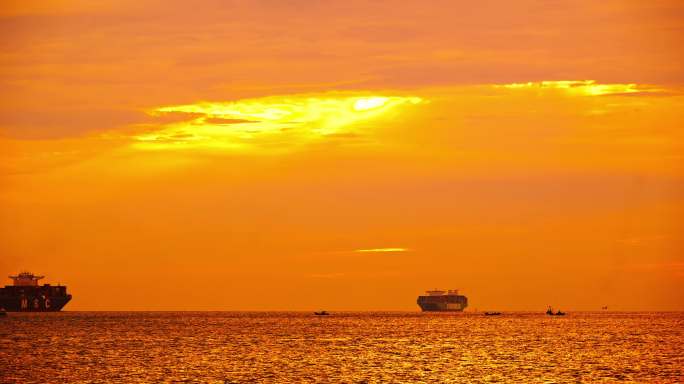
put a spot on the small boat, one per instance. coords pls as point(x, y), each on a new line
point(3, 313)
point(321, 313)
point(492, 313)
point(551, 313)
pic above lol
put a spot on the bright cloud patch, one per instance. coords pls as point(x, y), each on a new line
point(582, 87)
point(270, 121)
point(371, 250)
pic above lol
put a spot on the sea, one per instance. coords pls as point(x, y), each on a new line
point(344, 347)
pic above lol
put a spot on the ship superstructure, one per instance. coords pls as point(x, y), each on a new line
point(25, 295)
point(442, 301)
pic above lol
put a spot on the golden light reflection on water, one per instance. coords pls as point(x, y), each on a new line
point(296, 347)
point(279, 121)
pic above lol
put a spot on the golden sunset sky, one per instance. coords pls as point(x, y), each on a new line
point(344, 155)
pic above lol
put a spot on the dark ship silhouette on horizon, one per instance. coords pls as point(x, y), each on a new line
point(442, 301)
point(25, 295)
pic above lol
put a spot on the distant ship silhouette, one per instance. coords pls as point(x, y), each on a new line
point(551, 313)
point(25, 295)
point(442, 301)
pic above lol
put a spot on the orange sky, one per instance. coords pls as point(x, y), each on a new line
point(273, 155)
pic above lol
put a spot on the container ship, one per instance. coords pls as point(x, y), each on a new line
point(442, 301)
point(25, 295)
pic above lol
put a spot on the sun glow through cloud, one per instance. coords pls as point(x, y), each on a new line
point(285, 122)
point(293, 119)
point(367, 103)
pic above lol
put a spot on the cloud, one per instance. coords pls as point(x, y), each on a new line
point(586, 87)
point(284, 121)
point(381, 250)
point(222, 121)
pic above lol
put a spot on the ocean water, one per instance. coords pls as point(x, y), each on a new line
point(243, 347)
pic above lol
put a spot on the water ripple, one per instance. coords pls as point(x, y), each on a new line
point(237, 347)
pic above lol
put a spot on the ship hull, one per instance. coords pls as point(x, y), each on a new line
point(446, 303)
point(34, 298)
point(34, 304)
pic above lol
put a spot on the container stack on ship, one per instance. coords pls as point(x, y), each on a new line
point(442, 301)
point(25, 295)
